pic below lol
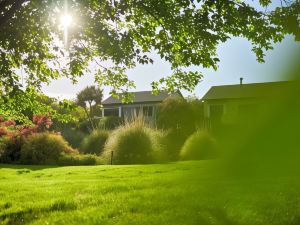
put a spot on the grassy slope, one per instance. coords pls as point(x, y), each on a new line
point(179, 193)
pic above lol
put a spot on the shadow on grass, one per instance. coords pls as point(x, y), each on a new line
point(28, 215)
point(209, 217)
point(296, 221)
point(26, 167)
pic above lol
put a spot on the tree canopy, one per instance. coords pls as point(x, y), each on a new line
point(116, 35)
point(90, 99)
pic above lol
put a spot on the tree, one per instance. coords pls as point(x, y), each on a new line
point(116, 35)
point(90, 98)
point(22, 105)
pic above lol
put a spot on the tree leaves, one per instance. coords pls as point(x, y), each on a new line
point(117, 35)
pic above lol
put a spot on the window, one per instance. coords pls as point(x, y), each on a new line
point(216, 111)
point(148, 111)
point(111, 112)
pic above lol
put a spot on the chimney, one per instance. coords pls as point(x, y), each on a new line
point(241, 81)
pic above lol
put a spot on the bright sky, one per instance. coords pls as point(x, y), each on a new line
point(236, 60)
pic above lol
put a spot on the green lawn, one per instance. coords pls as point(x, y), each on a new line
point(177, 193)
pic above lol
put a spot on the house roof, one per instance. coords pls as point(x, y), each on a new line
point(139, 97)
point(252, 90)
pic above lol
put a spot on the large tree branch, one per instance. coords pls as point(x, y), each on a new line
point(16, 5)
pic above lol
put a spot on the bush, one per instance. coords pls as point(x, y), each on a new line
point(110, 122)
point(44, 148)
point(94, 143)
point(171, 144)
point(199, 145)
point(77, 160)
point(176, 113)
point(73, 136)
point(132, 143)
point(11, 149)
point(85, 126)
point(2, 150)
point(13, 136)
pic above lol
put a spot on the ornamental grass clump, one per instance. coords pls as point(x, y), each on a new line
point(133, 143)
point(110, 122)
point(94, 143)
point(200, 145)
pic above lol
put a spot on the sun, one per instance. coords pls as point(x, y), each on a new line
point(66, 20)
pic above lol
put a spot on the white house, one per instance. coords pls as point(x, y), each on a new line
point(143, 101)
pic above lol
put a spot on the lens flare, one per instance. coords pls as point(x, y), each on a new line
point(66, 21)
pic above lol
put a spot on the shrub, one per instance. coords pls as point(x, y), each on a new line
point(176, 113)
point(94, 143)
point(2, 150)
point(77, 160)
point(44, 148)
point(171, 144)
point(11, 149)
point(73, 136)
point(199, 145)
point(85, 126)
point(181, 116)
point(132, 143)
point(13, 136)
point(110, 122)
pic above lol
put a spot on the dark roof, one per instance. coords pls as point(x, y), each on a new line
point(139, 97)
point(253, 90)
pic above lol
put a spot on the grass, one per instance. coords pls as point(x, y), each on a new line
point(177, 193)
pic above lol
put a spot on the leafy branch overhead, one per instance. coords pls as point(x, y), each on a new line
point(116, 35)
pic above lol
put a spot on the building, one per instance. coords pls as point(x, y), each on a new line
point(143, 101)
point(228, 102)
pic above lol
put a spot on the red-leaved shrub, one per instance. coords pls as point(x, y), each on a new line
point(13, 136)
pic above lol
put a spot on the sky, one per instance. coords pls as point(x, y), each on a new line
point(236, 60)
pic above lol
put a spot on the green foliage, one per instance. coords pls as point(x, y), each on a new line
point(179, 118)
point(11, 148)
point(86, 126)
point(171, 143)
point(198, 146)
point(183, 33)
point(73, 136)
point(44, 148)
point(110, 122)
point(77, 160)
point(174, 113)
point(133, 143)
point(178, 80)
point(180, 114)
point(89, 96)
point(13, 136)
point(2, 148)
point(21, 105)
point(70, 132)
point(94, 143)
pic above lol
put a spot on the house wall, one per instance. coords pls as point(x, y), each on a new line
point(130, 111)
point(232, 108)
point(148, 111)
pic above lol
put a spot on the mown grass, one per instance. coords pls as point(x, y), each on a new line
point(177, 193)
